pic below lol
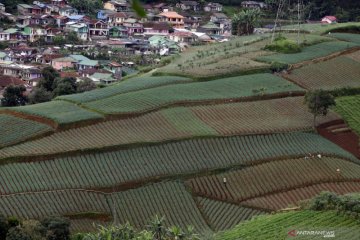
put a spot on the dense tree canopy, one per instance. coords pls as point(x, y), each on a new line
point(14, 96)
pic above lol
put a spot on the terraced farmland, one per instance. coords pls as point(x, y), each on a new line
point(217, 90)
point(293, 197)
point(43, 204)
point(130, 85)
point(327, 75)
point(60, 112)
point(282, 115)
point(277, 226)
point(14, 129)
point(311, 52)
point(218, 60)
point(223, 215)
point(349, 108)
point(105, 170)
point(273, 177)
point(348, 37)
point(169, 199)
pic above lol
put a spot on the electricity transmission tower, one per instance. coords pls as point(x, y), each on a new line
point(283, 6)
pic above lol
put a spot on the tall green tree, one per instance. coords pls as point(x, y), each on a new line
point(14, 96)
point(49, 75)
point(319, 102)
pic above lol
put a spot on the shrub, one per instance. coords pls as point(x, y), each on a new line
point(283, 45)
point(278, 67)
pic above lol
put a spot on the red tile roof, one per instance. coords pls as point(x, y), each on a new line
point(9, 80)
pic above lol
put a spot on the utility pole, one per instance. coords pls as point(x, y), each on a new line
point(279, 11)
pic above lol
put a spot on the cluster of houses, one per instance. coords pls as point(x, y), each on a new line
point(115, 20)
point(166, 29)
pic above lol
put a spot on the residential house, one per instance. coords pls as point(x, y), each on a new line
point(156, 28)
point(5, 81)
point(118, 32)
point(189, 5)
point(61, 21)
point(35, 32)
point(42, 20)
point(64, 62)
point(213, 7)
point(103, 78)
point(25, 72)
point(253, 4)
point(83, 62)
point(210, 29)
point(173, 18)
point(24, 9)
point(164, 45)
point(222, 21)
point(77, 18)
point(5, 15)
point(51, 33)
point(81, 29)
point(4, 36)
point(219, 17)
point(3, 56)
point(118, 6)
point(162, 7)
point(2, 7)
point(133, 26)
point(60, 3)
point(10, 34)
point(46, 57)
point(104, 14)
point(191, 22)
point(98, 29)
point(68, 11)
point(329, 19)
point(24, 20)
point(183, 37)
point(117, 19)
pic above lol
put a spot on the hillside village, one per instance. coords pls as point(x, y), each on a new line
point(36, 37)
point(179, 120)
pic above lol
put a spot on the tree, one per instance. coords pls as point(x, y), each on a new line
point(319, 102)
point(49, 75)
point(72, 38)
point(64, 86)
point(85, 85)
point(4, 227)
point(14, 96)
point(39, 95)
point(86, 6)
point(56, 228)
point(17, 233)
point(245, 21)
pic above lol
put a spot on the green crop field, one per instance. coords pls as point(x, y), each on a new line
point(43, 204)
point(272, 177)
point(61, 112)
point(168, 199)
point(221, 89)
point(310, 53)
point(223, 215)
point(292, 198)
point(14, 129)
point(130, 85)
point(349, 108)
point(92, 171)
point(339, 72)
point(320, 28)
point(282, 115)
point(348, 37)
point(216, 60)
point(276, 227)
